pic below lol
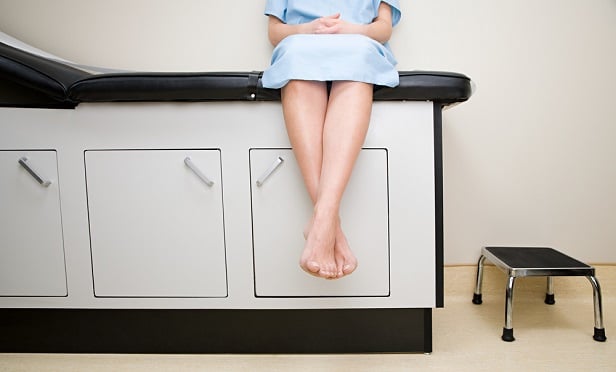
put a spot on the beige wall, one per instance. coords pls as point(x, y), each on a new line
point(529, 160)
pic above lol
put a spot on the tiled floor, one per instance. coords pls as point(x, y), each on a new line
point(466, 336)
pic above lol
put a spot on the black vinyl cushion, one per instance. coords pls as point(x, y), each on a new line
point(40, 74)
point(414, 86)
point(153, 86)
point(70, 86)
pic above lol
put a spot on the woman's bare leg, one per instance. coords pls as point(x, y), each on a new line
point(346, 124)
point(304, 104)
point(345, 116)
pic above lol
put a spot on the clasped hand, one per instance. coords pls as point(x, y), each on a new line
point(331, 24)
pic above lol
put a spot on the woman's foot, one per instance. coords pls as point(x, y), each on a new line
point(347, 263)
point(345, 260)
point(318, 257)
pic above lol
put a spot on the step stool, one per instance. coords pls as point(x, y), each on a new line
point(527, 261)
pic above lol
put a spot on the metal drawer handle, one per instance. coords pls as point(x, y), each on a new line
point(24, 163)
point(277, 163)
point(189, 163)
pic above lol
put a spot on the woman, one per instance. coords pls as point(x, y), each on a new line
point(328, 56)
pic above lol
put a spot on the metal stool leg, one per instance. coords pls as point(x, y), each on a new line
point(508, 329)
point(599, 334)
point(477, 295)
point(549, 294)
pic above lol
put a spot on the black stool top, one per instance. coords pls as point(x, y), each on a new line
point(529, 261)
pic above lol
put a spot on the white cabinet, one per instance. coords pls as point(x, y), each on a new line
point(156, 223)
point(127, 224)
point(281, 209)
point(32, 250)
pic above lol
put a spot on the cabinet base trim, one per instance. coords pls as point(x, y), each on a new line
point(215, 331)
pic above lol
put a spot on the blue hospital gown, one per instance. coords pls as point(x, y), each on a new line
point(330, 57)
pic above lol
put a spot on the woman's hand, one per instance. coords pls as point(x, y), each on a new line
point(278, 30)
point(325, 25)
point(380, 29)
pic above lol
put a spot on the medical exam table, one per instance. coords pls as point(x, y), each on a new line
point(147, 212)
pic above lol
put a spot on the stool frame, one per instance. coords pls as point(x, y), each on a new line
point(491, 254)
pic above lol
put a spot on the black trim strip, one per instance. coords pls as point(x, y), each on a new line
point(427, 330)
point(215, 331)
point(438, 198)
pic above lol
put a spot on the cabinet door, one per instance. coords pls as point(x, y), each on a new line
point(31, 243)
point(281, 209)
point(156, 223)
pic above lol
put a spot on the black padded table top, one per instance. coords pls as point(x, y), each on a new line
point(530, 261)
point(29, 80)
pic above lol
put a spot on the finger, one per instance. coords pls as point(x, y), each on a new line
point(335, 29)
point(332, 22)
point(328, 30)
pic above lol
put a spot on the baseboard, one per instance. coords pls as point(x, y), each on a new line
point(215, 331)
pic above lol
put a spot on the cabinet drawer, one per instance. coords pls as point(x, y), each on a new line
point(281, 209)
point(156, 223)
point(31, 242)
